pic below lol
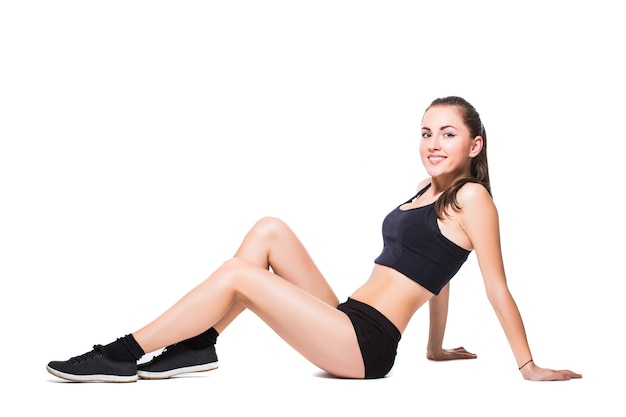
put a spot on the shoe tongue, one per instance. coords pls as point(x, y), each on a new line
point(97, 350)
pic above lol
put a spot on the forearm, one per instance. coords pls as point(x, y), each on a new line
point(438, 310)
point(512, 324)
point(511, 321)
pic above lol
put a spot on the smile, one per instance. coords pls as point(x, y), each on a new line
point(436, 159)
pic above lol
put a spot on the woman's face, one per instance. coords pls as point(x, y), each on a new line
point(446, 148)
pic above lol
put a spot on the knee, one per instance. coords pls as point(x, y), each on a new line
point(232, 267)
point(228, 272)
point(267, 228)
point(234, 275)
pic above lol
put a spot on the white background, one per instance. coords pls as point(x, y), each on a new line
point(140, 140)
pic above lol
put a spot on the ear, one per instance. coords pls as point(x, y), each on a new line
point(477, 146)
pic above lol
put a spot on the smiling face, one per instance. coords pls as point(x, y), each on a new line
point(447, 147)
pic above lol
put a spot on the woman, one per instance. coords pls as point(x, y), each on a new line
point(426, 240)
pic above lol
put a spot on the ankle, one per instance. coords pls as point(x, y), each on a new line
point(124, 349)
point(204, 340)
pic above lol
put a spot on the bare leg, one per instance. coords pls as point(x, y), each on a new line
point(272, 244)
point(320, 332)
point(269, 244)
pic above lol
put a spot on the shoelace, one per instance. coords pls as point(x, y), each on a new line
point(96, 352)
point(170, 348)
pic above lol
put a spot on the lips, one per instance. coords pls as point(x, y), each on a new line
point(435, 159)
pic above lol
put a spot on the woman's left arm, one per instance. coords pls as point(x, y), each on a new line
point(479, 220)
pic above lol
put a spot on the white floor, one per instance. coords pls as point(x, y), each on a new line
point(252, 388)
point(260, 375)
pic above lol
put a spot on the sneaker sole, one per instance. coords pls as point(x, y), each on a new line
point(168, 374)
point(93, 378)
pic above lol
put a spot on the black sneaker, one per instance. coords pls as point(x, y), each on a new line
point(93, 366)
point(178, 359)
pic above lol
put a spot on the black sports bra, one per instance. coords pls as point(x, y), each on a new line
point(415, 247)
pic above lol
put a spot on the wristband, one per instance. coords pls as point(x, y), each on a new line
point(520, 368)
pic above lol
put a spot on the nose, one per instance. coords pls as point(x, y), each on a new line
point(434, 143)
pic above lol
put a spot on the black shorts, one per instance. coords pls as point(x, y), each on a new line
point(378, 337)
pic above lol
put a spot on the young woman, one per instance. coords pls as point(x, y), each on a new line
point(426, 240)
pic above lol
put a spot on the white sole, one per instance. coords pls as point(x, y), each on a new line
point(92, 378)
point(168, 374)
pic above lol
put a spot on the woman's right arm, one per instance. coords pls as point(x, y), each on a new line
point(438, 308)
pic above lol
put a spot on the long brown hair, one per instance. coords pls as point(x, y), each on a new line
point(479, 168)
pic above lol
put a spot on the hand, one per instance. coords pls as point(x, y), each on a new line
point(450, 354)
point(533, 372)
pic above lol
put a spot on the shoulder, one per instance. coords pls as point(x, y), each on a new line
point(474, 199)
point(478, 217)
point(473, 192)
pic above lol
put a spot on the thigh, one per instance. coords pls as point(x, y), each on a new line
point(320, 332)
point(271, 243)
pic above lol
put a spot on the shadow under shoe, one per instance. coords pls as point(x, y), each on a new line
point(93, 366)
point(178, 359)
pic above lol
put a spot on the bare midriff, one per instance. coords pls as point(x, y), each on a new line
point(393, 294)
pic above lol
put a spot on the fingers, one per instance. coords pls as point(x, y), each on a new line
point(459, 353)
point(566, 375)
point(557, 375)
point(563, 374)
point(570, 374)
point(451, 354)
point(463, 353)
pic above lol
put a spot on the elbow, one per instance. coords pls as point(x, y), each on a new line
point(496, 295)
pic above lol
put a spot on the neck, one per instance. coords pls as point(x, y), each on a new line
point(438, 186)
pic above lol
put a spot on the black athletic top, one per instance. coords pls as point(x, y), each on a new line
point(415, 247)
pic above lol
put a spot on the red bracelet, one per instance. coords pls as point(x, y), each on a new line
point(520, 368)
